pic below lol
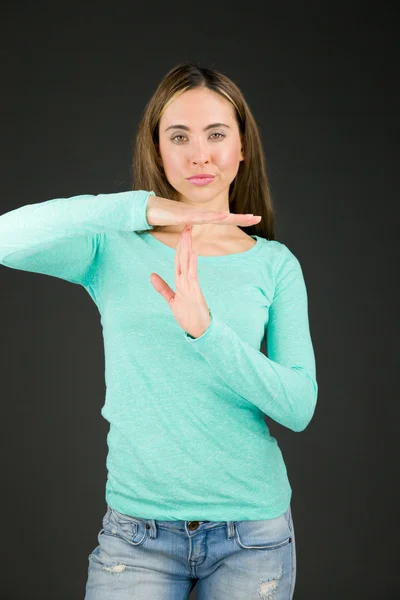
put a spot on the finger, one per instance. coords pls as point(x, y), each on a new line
point(188, 248)
point(185, 251)
point(242, 220)
point(225, 218)
point(178, 270)
point(162, 287)
point(192, 274)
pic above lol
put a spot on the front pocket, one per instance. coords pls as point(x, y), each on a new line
point(128, 528)
point(268, 534)
point(121, 517)
point(107, 531)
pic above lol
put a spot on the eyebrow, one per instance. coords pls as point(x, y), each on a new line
point(205, 128)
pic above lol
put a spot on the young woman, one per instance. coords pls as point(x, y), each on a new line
point(188, 283)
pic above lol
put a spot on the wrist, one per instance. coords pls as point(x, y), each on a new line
point(196, 335)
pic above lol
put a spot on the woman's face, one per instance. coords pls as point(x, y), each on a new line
point(189, 146)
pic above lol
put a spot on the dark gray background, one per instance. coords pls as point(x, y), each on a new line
point(322, 83)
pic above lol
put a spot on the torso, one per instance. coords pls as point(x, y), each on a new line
point(239, 242)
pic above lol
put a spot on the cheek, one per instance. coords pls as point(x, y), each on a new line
point(228, 159)
point(172, 162)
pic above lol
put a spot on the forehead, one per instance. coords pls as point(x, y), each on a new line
point(198, 105)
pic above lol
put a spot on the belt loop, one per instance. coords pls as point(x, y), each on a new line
point(151, 525)
point(230, 529)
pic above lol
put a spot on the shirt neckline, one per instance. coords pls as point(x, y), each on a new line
point(168, 250)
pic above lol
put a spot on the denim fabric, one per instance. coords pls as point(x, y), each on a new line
point(150, 559)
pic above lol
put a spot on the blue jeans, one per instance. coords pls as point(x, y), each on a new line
point(150, 559)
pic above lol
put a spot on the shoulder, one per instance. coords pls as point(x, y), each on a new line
point(280, 264)
point(281, 250)
point(278, 254)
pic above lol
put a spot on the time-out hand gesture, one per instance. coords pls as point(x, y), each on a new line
point(188, 304)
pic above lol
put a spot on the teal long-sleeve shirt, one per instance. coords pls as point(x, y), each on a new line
point(187, 436)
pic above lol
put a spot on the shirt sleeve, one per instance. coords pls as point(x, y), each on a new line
point(62, 237)
point(282, 385)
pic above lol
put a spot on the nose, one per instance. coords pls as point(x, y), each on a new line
point(200, 154)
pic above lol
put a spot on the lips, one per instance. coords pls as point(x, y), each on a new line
point(202, 176)
point(203, 180)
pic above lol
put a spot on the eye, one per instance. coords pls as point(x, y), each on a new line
point(222, 135)
point(176, 136)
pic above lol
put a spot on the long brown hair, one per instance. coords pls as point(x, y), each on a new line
point(249, 192)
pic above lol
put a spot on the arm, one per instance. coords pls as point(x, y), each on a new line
point(283, 385)
point(62, 237)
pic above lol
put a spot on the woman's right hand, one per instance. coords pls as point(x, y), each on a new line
point(162, 211)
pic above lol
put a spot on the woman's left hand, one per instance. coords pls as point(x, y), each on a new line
point(187, 304)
